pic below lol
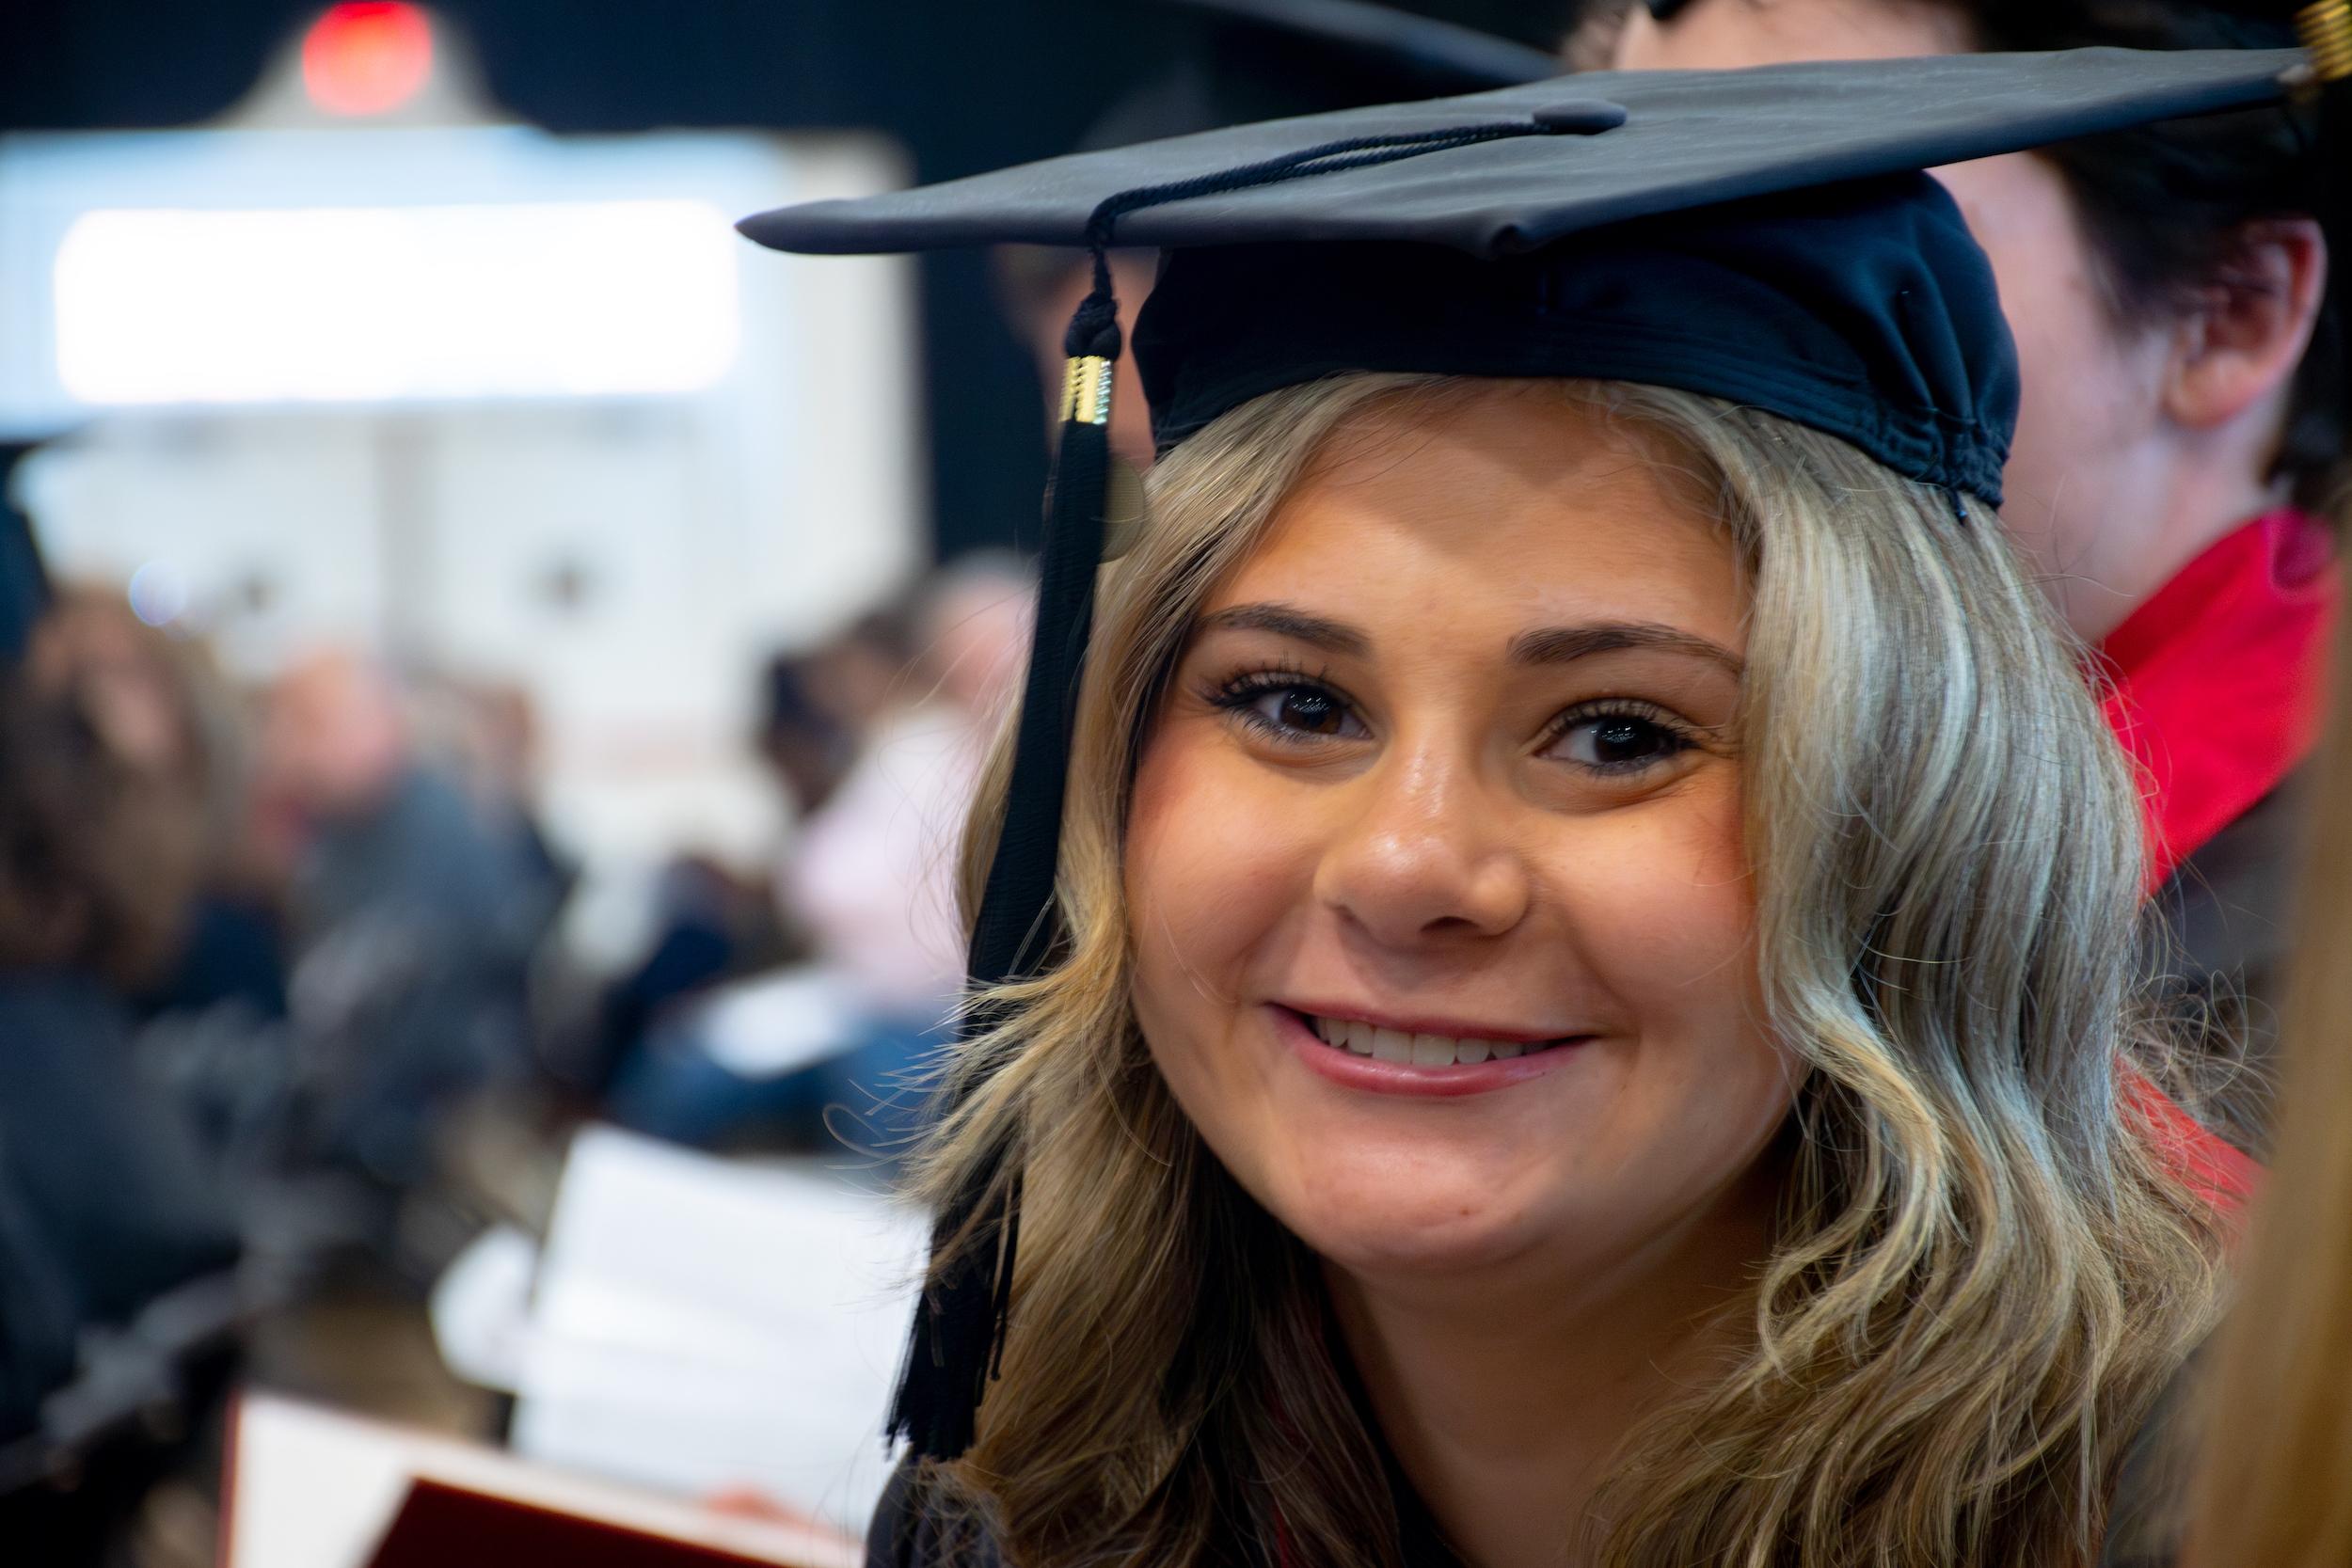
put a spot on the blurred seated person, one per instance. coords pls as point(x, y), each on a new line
point(163, 710)
point(105, 1201)
point(820, 707)
point(488, 732)
point(715, 923)
point(836, 1049)
point(413, 920)
point(871, 874)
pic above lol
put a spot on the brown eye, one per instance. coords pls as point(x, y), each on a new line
point(1617, 742)
point(1291, 710)
point(1308, 709)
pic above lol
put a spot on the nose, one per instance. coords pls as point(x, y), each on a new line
point(1424, 856)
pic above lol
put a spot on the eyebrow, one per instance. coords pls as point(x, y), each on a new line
point(1562, 645)
point(1287, 621)
point(1543, 645)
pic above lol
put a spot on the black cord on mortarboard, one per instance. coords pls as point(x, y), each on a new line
point(957, 1344)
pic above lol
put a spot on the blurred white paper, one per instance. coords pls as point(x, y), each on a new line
point(704, 1325)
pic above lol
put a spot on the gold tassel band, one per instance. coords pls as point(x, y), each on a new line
point(2326, 29)
point(1085, 392)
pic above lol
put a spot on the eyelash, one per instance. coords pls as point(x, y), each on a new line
point(1236, 696)
point(1676, 731)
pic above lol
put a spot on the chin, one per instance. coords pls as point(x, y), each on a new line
point(1416, 1216)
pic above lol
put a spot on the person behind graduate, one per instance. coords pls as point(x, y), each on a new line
point(1560, 983)
point(2179, 452)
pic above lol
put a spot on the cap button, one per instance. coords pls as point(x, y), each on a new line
point(1579, 117)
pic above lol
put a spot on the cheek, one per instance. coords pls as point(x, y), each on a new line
point(1215, 879)
point(1662, 906)
point(1211, 886)
point(1671, 938)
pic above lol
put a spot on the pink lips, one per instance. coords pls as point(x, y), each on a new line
point(1350, 1071)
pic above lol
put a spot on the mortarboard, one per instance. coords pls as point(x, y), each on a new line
point(1764, 235)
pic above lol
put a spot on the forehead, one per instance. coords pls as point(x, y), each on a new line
point(1508, 507)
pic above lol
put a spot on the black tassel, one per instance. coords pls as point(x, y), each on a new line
point(1010, 935)
point(958, 1341)
point(958, 1337)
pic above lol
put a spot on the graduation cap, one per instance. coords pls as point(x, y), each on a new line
point(1765, 236)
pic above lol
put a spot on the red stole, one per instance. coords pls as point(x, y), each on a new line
point(2219, 682)
point(2217, 687)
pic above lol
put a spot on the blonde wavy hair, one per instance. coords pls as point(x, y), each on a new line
point(1987, 1267)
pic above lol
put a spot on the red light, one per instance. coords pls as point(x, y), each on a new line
point(367, 56)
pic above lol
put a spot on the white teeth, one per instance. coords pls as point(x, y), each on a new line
point(1394, 1045)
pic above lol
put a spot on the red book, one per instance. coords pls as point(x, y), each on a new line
point(311, 1488)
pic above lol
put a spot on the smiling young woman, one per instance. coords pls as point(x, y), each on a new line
point(1720, 885)
point(1566, 996)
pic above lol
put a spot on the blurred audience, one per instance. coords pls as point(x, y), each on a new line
point(872, 874)
point(818, 704)
point(715, 922)
point(488, 734)
point(834, 1049)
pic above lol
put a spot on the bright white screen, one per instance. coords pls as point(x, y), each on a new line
point(380, 304)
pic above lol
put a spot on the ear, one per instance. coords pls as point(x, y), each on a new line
point(2244, 331)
